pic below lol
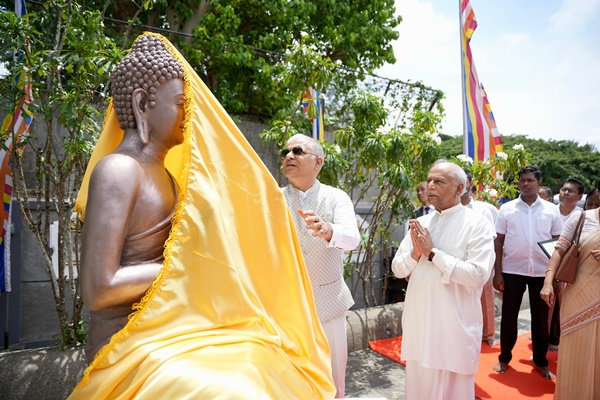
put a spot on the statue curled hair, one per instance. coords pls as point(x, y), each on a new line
point(148, 65)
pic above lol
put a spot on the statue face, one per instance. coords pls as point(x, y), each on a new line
point(165, 119)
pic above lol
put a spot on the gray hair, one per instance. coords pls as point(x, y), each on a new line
point(314, 145)
point(455, 170)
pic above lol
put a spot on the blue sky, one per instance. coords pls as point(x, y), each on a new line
point(539, 61)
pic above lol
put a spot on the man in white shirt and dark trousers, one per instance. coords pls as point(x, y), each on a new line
point(449, 255)
point(326, 224)
point(521, 224)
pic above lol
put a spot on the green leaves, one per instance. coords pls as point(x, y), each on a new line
point(557, 159)
point(68, 64)
point(304, 67)
point(257, 56)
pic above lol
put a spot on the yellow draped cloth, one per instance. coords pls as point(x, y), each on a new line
point(231, 314)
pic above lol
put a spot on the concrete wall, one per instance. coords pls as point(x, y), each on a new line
point(373, 323)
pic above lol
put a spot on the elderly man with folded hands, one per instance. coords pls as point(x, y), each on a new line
point(449, 256)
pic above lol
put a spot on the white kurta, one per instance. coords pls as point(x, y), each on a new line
point(442, 320)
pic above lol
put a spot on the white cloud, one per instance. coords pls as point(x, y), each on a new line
point(573, 14)
point(425, 42)
point(540, 83)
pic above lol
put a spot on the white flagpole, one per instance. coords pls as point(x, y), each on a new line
point(462, 79)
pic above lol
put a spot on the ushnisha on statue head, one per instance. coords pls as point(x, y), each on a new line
point(148, 65)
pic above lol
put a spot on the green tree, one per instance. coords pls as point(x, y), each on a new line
point(238, 48)
point(243, 50)
point(557, 159)
point(68, 69)
point(377, 164)
point(496, 177)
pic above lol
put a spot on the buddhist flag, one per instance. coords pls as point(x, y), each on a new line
point(313, 104)
point(491, 123)
point(481, 138)
point(15, 125)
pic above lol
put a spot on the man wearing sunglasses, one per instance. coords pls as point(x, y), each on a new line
point(326, 225)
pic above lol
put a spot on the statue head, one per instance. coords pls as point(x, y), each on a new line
point(148, 65)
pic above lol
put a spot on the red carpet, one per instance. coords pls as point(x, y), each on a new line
point(521, 380)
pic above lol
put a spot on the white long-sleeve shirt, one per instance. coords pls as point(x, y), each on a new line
point(442, 320)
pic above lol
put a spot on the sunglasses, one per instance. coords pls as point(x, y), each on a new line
point(298, 151)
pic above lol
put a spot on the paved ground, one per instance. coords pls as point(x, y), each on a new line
point(50, 374)
point(371, 375)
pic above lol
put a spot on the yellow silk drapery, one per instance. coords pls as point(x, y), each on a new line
point(231, 315)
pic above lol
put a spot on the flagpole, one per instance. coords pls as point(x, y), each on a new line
point(462, 79)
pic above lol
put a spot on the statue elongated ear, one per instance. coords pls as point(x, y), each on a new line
point(139, 100)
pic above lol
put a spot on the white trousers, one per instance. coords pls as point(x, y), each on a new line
point(335, 331)
point(437, 384)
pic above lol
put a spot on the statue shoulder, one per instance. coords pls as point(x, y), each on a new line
point(116, 171)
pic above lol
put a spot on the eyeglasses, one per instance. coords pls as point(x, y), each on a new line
point(298, 151)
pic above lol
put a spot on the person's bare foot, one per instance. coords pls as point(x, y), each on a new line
point(501, 367)
point(545, 372)
point(552, 347)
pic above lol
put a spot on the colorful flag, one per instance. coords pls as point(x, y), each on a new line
point(481, 138)
point(15, 125)
point(313, 98)
point(491, 123)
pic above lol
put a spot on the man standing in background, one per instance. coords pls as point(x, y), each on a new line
point(545, 193)
point(570, 193)
point(426, 207)
point(326, 224)
point(521, 224)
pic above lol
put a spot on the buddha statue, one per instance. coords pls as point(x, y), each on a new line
point(190, 265)
point(132, 197)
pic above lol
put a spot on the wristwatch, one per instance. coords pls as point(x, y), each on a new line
point(432, 254)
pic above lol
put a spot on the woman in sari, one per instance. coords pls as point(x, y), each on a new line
point(578, 375)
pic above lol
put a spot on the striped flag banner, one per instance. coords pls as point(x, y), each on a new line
point(15, 125)
point(491, 123)
point(481, 138)
point(313, 98)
